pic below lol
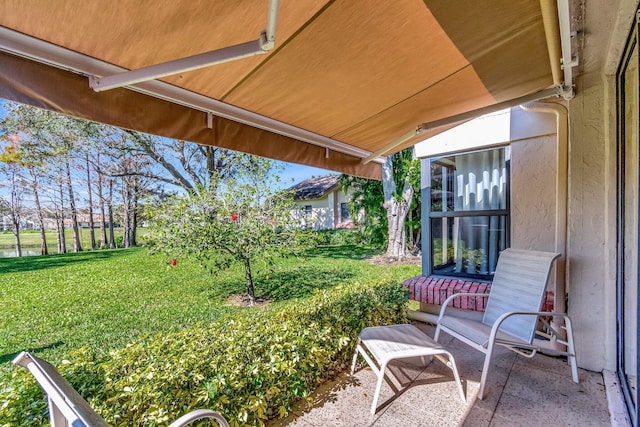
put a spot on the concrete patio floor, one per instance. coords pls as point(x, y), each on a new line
point(520, 391)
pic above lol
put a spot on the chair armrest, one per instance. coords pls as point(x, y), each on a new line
point(198, 415)
point(458, 295)
point(505, 316)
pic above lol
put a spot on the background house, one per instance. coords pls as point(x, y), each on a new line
point(322, 202)
point(6, 224)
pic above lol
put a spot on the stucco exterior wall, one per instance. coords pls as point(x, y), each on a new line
point(533, 181)
point(533, 193)
point(591, 270)
point(324, 210)
point(533, 187)
point(591, 225)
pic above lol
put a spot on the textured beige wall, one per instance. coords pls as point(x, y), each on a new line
point(533, 182)
point(591, 224)
point(533, 193)
point(591, 268)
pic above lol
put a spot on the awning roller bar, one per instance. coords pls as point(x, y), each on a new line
point(262, 45)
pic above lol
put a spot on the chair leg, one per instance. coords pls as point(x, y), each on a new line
point(456, 375)
point(437, 334)
point(485, 371)
point(376, 395)
point(571, 357)
point(355, 357)
point(56, 417)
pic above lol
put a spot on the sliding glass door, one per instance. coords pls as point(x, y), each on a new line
point(627, 223)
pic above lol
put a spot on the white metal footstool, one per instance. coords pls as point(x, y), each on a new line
point(381, 344)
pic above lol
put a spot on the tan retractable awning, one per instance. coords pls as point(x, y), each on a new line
point(345, 79)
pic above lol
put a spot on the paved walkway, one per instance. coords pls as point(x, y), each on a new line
point(520, 392)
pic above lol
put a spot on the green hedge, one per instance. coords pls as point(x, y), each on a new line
point(338, 236)
point(249, 367)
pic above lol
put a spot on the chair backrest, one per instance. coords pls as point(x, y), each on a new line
point(519, 285)
point(66, 406)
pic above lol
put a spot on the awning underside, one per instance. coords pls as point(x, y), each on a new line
point(360, 73)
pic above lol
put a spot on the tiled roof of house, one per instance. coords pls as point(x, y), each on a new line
point(314, 188)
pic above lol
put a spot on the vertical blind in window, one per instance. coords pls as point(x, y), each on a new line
point(469, 212)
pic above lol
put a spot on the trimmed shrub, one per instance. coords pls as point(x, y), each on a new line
point(338, 236)
point(250, 367)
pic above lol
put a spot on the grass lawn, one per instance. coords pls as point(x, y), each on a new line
point(30, 239)
point(106, 299)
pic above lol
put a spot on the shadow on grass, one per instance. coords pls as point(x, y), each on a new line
point(354, 252)
point(43, 262)
point(299, 282)
point(4, 358)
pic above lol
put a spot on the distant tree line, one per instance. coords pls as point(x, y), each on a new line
point(58, 166)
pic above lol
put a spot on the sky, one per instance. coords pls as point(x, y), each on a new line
point(294, 173)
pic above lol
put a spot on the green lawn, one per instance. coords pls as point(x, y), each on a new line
point(30, 239)
point(106, 299)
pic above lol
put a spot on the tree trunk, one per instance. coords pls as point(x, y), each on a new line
point(396, 217)
point(126, 215)
point(44, 249)
point(247, 273)
point(60, 235)
point(90, 200)
point(15, 206)
point(77, 245)
point(112, 239)
point(62, 240)
point(103, 218)
point(16, 234)
point(133, 241)
point(397, 209)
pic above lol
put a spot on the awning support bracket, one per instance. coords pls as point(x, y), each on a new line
point(262, 45)
point(574, 63)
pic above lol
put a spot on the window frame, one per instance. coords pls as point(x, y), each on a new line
point(344, 208)
point(428, 216)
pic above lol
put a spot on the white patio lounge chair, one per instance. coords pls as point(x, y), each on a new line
point(512, 311)
point(380, 345)
point(68, 408)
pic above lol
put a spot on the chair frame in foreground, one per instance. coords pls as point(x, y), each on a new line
point(68, 408)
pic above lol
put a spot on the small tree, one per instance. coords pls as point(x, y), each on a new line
point(239, 219)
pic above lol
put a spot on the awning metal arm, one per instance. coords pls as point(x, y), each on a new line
point(458, 118)
point(262, 45)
